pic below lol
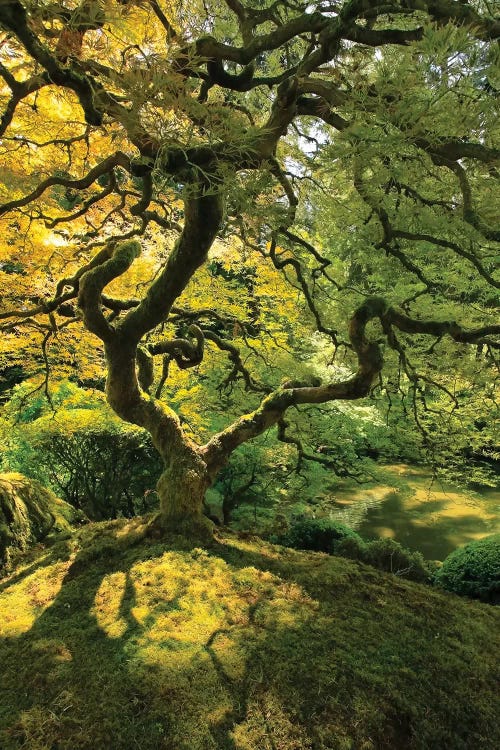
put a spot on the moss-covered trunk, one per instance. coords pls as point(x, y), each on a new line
point(185, 479)
point(181, 488)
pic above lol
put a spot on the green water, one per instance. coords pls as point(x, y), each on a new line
point(425, 515)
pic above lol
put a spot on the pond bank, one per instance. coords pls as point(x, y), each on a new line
point(418, 511)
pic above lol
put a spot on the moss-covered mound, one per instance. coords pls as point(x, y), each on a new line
point(112, 640)
point(28, 513)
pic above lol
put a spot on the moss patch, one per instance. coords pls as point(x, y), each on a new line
point(115, 640)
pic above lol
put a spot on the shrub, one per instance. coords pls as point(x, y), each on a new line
point(473, 570)
point(390, 556)
point(104, 470)
point(323, 535)
point(352, 547)
point(319, 534)
point(81, 450)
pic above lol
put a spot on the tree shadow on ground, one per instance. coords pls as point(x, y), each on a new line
point(104, 702)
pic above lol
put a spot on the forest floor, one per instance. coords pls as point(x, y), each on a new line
point(113, 641)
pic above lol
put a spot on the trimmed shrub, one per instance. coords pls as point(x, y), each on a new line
point(473, 570)
point(319, 534)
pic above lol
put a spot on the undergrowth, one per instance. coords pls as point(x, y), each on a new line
point(114, 640)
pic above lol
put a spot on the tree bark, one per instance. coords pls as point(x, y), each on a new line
point(181, 489)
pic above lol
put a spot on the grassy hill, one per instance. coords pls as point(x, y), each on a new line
point(114, 641)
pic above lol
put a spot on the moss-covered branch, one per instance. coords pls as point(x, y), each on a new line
point(272, 409)
point(96, 279)
point(203, 211)
point(186, 353)
point(274, 406)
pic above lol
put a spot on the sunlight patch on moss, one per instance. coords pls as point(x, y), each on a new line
point(230, 654)
point(108, 600)
point(270, 725)
point(24, 602)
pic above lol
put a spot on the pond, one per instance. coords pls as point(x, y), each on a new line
point(419, 512)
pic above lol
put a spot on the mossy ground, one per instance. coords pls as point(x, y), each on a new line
point(113, 641)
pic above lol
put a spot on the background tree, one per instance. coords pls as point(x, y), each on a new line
point(348, 147)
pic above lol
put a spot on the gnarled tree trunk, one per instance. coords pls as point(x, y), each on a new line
point(185, 479)
point(181, 489)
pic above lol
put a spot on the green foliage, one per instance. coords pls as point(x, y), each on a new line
point(319, 534)
point(403, 104)
point(264, 478)
point(323, 535)
point(89, 457)
point(473, 570)
point(459, 440)
point(390, 556)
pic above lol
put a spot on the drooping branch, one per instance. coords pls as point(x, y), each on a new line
point(239, 369)
point(322, 260)
point(92, 201)
point(391, 234)
point(172, 33)
point(187, 354)
point(304, 455)
point(281, 263)
point(471, 257)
